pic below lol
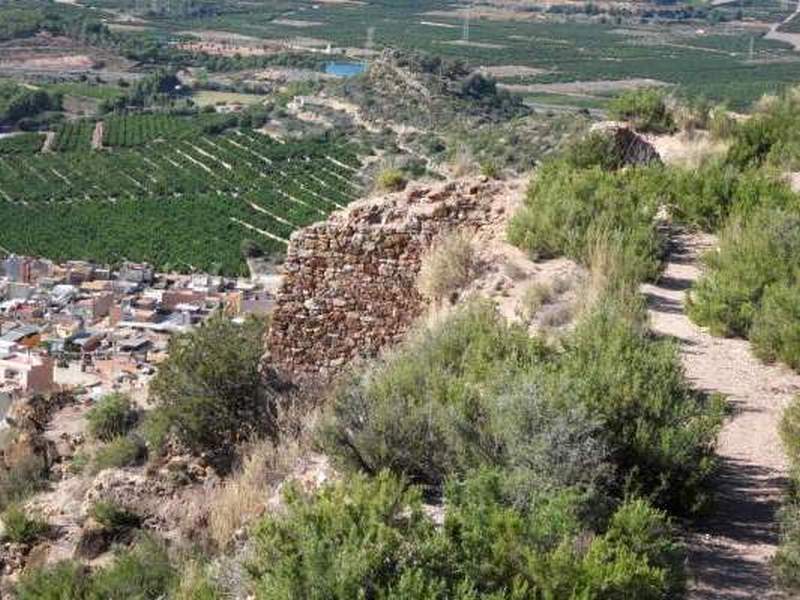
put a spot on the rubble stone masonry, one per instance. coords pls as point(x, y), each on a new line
point(349, 285)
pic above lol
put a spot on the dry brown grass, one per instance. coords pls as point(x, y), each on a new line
point(463, 162)
point(447, 267)
point(534, 298)
point(265, 464)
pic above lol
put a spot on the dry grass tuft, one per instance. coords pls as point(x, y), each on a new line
point(534, 298)
point(447, 267)
point(244, 496)
point(463, 162)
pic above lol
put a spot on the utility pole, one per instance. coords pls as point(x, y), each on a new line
point(465, 30)
point(751, 48)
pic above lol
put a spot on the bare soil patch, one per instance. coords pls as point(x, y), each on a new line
point(489, 13)
point(505, 71)
point(438, 24)
point(229, 49)
point(297, 23)
point(601, 86)
point(471, 44)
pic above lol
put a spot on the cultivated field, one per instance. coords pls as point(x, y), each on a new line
point(178, 203)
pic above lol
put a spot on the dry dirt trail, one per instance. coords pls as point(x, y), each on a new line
point(729, 549)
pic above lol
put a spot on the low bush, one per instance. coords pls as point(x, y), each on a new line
point(111, 417)
point(787, 559)
point(209, 392)
point(66, 580)
point(364, 538)
point(448, 266)
point(646, 109)
point(754, 253)
point(423, 412)
point(566, 210)
point(770, 136)
point(776, 327)
point(707, 196)
point(391, 180)
point(112, 516)
point(123, 451)
point(596, 149)
point(20, 528)
point(143, 572)
point(790, 431)
point(473, 391)
point(661, 433)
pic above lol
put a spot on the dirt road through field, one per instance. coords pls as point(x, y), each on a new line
point(730, 549)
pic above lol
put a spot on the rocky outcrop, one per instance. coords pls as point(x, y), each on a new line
point(349, 287)
point(632, 148)
point(33, 413)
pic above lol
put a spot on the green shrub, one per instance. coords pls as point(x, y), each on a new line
point(111, 417)
point(596, 149)
point(754, 253)
point(567, 210)
point(790, 431)
point(548, 447)
point(66, 580)
point(613, 407)
point(753, 140)
point(143, 572)
point(646, 109)
point(371, 538)
point(113, 516)
point(776, 327)
point(209, 391)
point(770, 136)
point(391, 180)
point(638, 557)
point(661, 433)
point(155, 429)
point(424, 412)
point(707, 196)
point(20, 528)
point(490, 169)
point(786, 561)
point(120, 452)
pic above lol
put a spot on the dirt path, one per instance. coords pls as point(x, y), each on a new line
point(49, 138)
point(730, 549)
point(97, 136)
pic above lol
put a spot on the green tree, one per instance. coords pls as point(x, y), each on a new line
point(210, 389)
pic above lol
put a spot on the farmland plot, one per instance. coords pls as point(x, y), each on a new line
point(187, 203)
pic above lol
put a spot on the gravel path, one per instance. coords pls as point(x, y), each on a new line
point(730, 549)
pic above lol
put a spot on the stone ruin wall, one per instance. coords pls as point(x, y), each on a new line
point(349, 282)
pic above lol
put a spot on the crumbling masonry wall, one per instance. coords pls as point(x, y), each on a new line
point(349, 284)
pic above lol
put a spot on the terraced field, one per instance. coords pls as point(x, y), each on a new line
point(186, 203)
